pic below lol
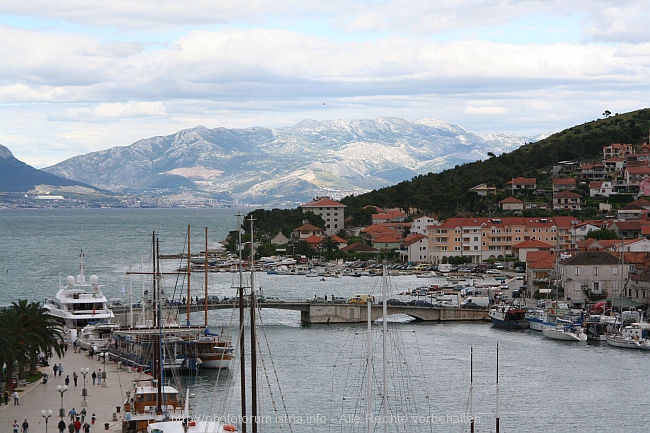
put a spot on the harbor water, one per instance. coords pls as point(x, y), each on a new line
point(544, 385)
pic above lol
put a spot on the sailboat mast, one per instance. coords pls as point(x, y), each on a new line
point(157, 356)
point(253, 337)
point(471, 388)
point(498, 411)
point(205, 278)
point(384, 355)
point(369, 425)
point(242, 348)
point(189, 275)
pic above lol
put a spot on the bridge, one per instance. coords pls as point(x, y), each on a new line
point(323, 312)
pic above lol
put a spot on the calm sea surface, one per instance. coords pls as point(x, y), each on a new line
point(545, 386)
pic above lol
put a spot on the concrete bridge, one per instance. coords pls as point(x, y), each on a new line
point(321, 312)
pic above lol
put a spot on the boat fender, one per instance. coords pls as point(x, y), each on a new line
point(229, 427)
point(192, 423)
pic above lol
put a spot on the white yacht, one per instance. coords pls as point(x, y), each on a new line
point(78, 303)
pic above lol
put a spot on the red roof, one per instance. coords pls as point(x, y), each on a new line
point(510, 200)
point(411, 239)
point(313, 240)
point(522, 181)
point(564, 181)
point(322, 202)
point(390, 238)
point(540, 260)
point(308, 228)
point(566, 194)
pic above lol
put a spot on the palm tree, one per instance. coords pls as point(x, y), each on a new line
point(29, 330)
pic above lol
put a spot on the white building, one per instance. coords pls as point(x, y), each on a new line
point(332, 212)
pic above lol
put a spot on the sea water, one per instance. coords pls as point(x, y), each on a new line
point(545, 385)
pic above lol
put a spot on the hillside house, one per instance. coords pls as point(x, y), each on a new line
point(617, 150)
point(522, 249)
point(589, 172)
point(602, 188)
point(305, 231)
point(634, 175)
point(390, 215)
point(522, 185)
point(420, 224)
point(332, 212)
point(567, 200)
point(387, 241)
point(483, 190)
point(511, 204)
point(564, 184)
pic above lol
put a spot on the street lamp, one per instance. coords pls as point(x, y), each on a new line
point(46, 414)
point(62, 389)
point(84, 391)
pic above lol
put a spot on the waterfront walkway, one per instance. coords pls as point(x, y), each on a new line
point(102, 400)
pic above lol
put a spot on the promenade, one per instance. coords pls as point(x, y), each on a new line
point(101, 400)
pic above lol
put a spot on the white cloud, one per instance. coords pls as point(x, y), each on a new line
point(89, 78)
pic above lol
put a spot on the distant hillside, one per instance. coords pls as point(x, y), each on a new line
point(16, 176)
point(446, 193)
point(286, 166)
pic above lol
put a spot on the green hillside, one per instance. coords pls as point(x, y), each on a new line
point(446, 193)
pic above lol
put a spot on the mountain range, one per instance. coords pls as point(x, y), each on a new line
point(283, 166)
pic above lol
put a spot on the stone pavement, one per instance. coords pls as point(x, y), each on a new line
point(101, 400)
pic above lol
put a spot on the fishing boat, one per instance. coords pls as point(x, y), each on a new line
point(538, 318)
point(78, 302)
point(508, 316)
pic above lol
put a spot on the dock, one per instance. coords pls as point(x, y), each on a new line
point(102, 400)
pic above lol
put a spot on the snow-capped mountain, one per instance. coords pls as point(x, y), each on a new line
point(284, 166)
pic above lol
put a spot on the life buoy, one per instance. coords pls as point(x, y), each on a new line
point(229, 427)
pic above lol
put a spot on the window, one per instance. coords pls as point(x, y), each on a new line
point(595, 270)
point(577, 271)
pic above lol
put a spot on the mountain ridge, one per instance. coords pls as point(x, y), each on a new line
point(282, 166)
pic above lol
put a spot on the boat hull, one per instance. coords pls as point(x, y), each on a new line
point(562, 335)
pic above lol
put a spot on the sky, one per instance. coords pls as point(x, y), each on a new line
point(82, 76)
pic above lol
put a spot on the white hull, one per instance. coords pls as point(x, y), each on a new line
point(628, 343)
point(564, 334)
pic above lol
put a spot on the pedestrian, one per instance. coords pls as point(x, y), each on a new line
point(55, 368)
point(60, 369)
point(86, 428)
point(16, 401)
point(61, 426)
point(16, 426)
point(99, 377)
point(93, 418)
point(71, 427)
point(67, 380)
point(25, 426)
point(6, 398)
point(72, 414)
point(104, 376)
point(77, 425)
point(75, 376)
point(83, 415)
point(94, 376)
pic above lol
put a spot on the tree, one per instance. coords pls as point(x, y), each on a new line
point(602, 234)
point(607, 113)
point(28, 330)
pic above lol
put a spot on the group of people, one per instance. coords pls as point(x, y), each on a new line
point(22, 428)
point(77, 422)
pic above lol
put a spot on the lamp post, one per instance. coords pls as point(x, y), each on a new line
point(84, 391)
point(46, 414)
point(62, 389)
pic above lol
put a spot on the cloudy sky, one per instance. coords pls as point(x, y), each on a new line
point(83, 76)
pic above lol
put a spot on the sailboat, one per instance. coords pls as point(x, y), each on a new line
point(384, 381)
point(565, 330)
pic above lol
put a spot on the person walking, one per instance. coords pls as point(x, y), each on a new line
point(16, 426)
point(77, 425)
point(67, 380)
point(83, 415)
point(60, 369)
point(16, 401)
point(25, 426)
point(86, 428)
point(94, 376)
point(104, 376)
point(75, 376)
point(72, 414)
point(61, 426)
point(99, 377)
point(93, 418)
point(55, 368)
point(6, 395)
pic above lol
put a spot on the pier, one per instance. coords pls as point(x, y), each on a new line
point(322, 312)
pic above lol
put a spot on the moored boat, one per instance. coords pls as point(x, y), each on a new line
point(633, 336)
point(508, 316)
point(78, 302)
point(565, 332)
